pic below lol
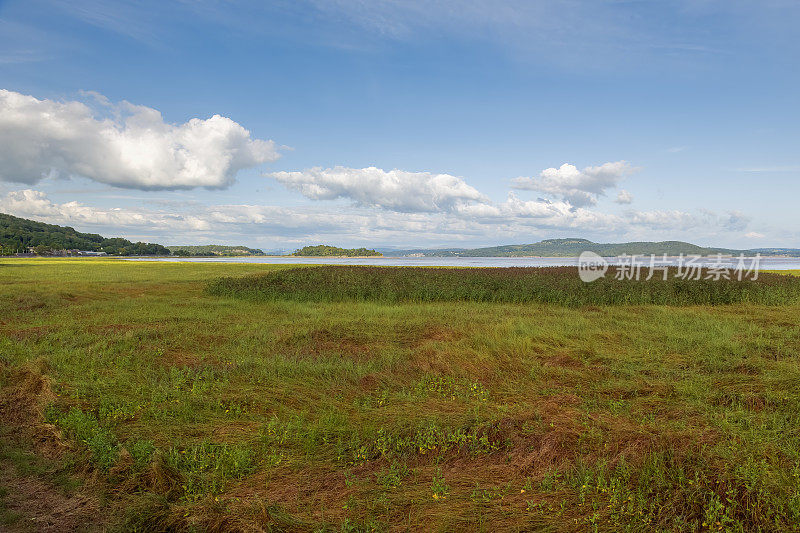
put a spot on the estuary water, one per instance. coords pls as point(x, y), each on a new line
point(765, 263)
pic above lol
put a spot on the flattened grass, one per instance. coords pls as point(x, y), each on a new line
point(550, 285)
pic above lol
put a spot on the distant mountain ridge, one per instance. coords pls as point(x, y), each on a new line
point(20, 235)
point(574, 247)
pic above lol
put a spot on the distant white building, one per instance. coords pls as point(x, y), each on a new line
point(92, 254)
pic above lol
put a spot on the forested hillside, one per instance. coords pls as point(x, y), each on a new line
point(20, 234)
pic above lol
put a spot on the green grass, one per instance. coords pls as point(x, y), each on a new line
point(7, 516)
point(195, 411)
point(552, 285)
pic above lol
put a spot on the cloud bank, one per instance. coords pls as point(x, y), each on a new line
point(578, 187)
point(133, 147)
point(395, 190)
point(28, 203)
point(425, 192)
point(511, 220)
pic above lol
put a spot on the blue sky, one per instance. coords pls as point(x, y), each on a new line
point(403, 123)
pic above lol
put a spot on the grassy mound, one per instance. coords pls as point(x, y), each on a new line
point(553, 285)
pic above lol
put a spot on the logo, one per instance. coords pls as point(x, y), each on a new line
point(591, 266)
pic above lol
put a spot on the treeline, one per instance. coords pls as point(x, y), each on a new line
point(18, 235)
point(323, 250)
point(213, 249)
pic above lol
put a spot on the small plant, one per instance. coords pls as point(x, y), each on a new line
point(439, 488)
point(451, 389)
point(141, 451)
point(486, 495)
point(528, 486)
point(552, 478)
point(617, 406)
point(392, 476)
point(717, 515)
point(206, 467)
point(85, 428)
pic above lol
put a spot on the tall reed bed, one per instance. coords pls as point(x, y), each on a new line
point(551, 285)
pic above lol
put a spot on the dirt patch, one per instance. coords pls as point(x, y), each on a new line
point(371, 382)
point(33, 333)
point(43, 507)
point(438, 334)
point(30, 303)
point(733, 399)
point(324, 343)
point(552, 442)
point(39, 504)
point(564, 360)
point(182, 359)
point(110, 329)
point(29, 392)
point(323, 489)
point(747, 369)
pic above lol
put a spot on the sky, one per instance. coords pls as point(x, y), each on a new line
point(403, 123)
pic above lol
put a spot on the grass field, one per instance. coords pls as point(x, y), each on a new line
point(136, 396)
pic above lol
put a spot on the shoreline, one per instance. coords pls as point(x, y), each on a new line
point(384, 257)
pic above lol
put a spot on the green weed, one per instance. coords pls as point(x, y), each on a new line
point(85, 428)
point(206, 467)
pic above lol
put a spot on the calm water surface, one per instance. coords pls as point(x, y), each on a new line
point(767, 263)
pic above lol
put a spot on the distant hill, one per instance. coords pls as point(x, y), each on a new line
point(574, 247)
point(333, 251)
point(791, 252)
point(20, 234)
point(213, 249)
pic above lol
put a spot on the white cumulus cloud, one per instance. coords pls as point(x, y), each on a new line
point(624, 197)
point(133, 147)
point(395, 190)
point(578, 187)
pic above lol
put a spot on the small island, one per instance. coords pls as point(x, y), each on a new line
point(323, 250)
point(210, 250)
